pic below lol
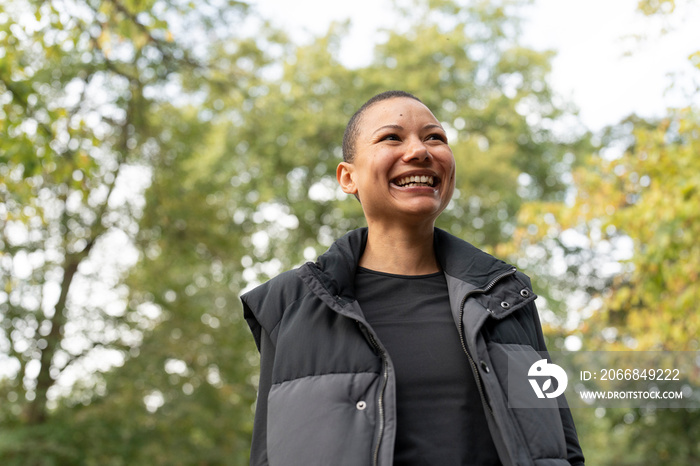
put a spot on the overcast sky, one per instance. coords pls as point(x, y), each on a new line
point(590, 36)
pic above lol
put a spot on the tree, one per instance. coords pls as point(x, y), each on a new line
point(92, 93)
point(625, 241)
point(646, 200)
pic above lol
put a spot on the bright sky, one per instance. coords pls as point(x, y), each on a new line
point(591, 67)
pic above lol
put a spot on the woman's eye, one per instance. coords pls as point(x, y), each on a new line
point(391, 137)
point(437, 137)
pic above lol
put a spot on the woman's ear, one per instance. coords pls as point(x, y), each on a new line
point(345, 179)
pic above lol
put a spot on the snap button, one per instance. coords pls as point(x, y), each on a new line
point(524, 293)
point(485, 367)
point(361, 405)
point(505, 305)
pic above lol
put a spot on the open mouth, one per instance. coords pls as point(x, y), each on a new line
point(416, 180)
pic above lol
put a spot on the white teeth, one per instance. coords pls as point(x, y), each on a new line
point(416, 180)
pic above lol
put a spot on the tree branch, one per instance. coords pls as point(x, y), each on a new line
point(161, 45)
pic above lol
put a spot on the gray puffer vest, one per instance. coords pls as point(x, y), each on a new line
point(327, 389)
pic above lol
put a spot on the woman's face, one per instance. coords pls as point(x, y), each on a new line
point(403, 169)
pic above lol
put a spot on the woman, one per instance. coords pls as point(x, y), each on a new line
point(389, 350)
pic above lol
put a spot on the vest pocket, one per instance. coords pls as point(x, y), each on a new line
point(322, 420)
point(532, 397)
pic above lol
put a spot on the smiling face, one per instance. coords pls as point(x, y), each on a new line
point(403, 169)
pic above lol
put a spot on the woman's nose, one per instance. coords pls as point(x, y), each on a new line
point(416, 151)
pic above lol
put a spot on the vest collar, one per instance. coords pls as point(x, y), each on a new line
point(458, 259)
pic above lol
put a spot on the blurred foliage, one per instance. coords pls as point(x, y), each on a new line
point(101, 99)
point(624, 245)
point(158, 157)
point(654, 7)
point(645, 200)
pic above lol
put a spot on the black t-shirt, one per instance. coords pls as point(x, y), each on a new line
point(440, 418)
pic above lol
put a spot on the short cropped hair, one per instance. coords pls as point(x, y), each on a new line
point(352, 130)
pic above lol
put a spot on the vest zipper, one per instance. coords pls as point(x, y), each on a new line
point(380, 398)
point(385, 364)
point(475, 369)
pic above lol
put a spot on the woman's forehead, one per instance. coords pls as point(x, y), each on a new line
point(395, 110)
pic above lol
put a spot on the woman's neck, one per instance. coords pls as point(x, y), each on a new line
point(400, 251)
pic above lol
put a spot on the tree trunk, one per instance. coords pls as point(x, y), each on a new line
point(36, 412)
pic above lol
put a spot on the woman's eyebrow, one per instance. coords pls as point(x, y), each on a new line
point(396, 127)
point(401, 128)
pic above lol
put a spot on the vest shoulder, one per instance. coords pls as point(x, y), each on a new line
point(266, 303)
point(284, 287)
